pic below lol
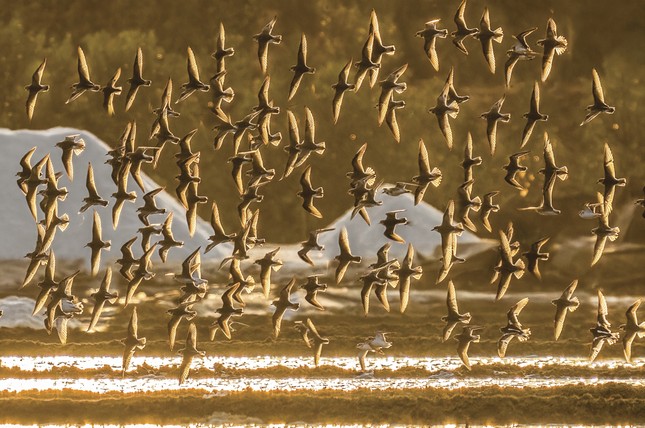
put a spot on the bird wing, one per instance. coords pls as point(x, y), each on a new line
point(83, 70)
point(310, 126)
point(596, 346)
point(429, 47)
point(628, 339)
point(451, 299)
point(393, 124)
point(560, 315)
point(424, 162)
point(502, 344)
point(191, 65)
point(462, 351)
point(631, 312)
point(596, 88)
point(598, 248)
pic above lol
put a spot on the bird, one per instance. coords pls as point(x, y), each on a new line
point(267, 264)
point(293, 149)
point(566, 303)
point(127, 260)
point(426, 175)
point(400, 188)
point(316, 341)
point(486, 36)
point(632, 329)
point(513, 167)
point(132, 341)
point(141, 273)
point(488, 206)
point(601, 332)
point(533, 115)
point(122, 194)
point(610, 181)
point(533, 256)
point(390, 118)
point(365, 64)
point(360, 172)
point(390, 222)
point(465, 203)
point(465, 338)
point(493, 116)
point(101, 296)
point(60, 293)
point(463, 31)
point(150, 206)
point(188, 353)
point(281, 305)
point(508, 268)
point(182, 311)
point(429, 34)
point(379, 340)
point(137, 80)
point(345, 257)
point(405, 272)
point(308, 193)
point(222, 51)
point(225, 313)
point(96, 244)
point(51, 194)
point(449, 230)
point(93, 197)
point(340, 88)
point(300, 68)
point(84, 82)
point(443, 109)
point(378, 48)
point(603, 232)
point(363, 349)
point(264, 38)
point(35, 88)
point(389, 85)
point(110, 90)
point(312, 287)
point(218, 236)
point(193, 84)
point(192, 201)
point(71, 145)
point(220, 94)
point(309, 143)
point(312, 244)
point(168, 241)
point(599, 105)
point(552, 44)
point(32, 183)
point(513, 328)
point(48, 284)
point(519, 51)
point(25, 172)
point(469, 161)
point(454, 317)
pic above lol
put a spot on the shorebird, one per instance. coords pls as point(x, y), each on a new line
point(449, 230)
point(463, 31)
point(513, 167)
point(62, 292)
point(188, 353)
point(390, 222)
point(360, 172)
point(93, 197)
point(222, 51)
point(493, 116)
point(150, 206)
point(71, 145)
point(566, 303)
point(308, 193)
point(318, 341)
point(141, 273)
point(390, 117)
point(429, 34)
point(533, 256)
point(365, 64)
point(264, 38)
point(340, 88)
point(193, 84)
point(345, 258)
point(218, 236)
point(465, 203)
point(426, 175)
point(513, 328)
point(632, 329)
point(389, 86)
point(520, 51)
point(400, 188)
point(601, 332)
point(35, 88)
point(110, 90)
point(469, 161)
point(454, 317)
point(552, 44)
point(405, 273)
point(132, 341)
point(122, 194)
point(312, 287)
point(610, 181)
point(465, 338)
point(31, 184)
point(443, 109)
point(603, 232)
point(96, 244)
point(363, 349)
point(84, 83)
point(48, 284)
point(220, 94)
point(486, 35)
point(101, 296)
point(507, 268)
point(25, 172)
point(267, 264)
point(312, 244)
point(533, 115)
point(127, 260)
point(184, 310)
point(225, 313)
point(378, 48)
point(488, 206)
point(192, 200)
point(309, 143)
point(281, 305)
point(599, 105)
point(168, 240)
point(137, 80)
point(300, 68)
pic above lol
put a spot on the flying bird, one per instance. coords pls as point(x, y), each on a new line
point(137, 80)
point(486, 36)
point(552, 44)
point(84, 82)
point(429, 34)
point(566, 303)
point(35, 88)
point(264, 38)
point(301, 68)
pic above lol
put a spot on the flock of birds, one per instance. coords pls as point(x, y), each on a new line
point(127, 159)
